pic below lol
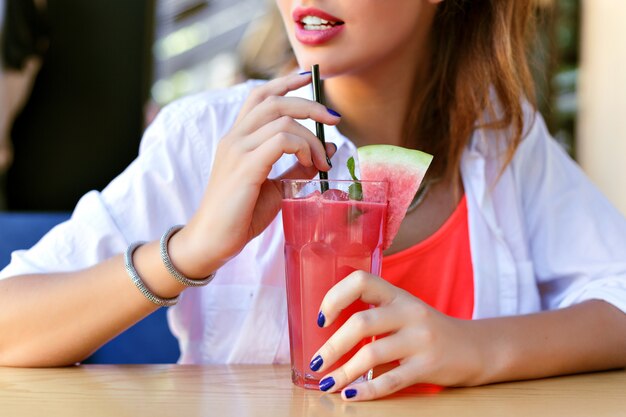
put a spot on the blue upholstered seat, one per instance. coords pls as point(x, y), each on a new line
point(149, 341)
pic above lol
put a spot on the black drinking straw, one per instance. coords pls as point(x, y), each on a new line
point(319, 127)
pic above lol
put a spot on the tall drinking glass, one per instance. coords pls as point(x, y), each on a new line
point(327, 236)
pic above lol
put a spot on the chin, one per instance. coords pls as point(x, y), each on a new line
point(329, 65)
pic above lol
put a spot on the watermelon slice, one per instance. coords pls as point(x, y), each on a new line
point(403, 169)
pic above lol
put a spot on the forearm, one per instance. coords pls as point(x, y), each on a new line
point(587, 337)
point(60, 319)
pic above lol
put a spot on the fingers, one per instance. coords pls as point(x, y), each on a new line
point(276, 87)
point(298, 171)
point(392, 316)
point(383, 385)
point(267, 100)
point(359, 285)
point(275, 107)
point(361, 325)
point(286, 124)
point(287, 143)
point(267, 116)
point(381, 351)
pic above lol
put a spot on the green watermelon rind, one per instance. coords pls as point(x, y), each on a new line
point(391, 154)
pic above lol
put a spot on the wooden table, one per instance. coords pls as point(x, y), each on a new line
point(179, 390)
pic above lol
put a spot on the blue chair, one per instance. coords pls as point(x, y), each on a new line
point(149, 341)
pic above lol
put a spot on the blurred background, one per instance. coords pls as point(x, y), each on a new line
point(81, 80)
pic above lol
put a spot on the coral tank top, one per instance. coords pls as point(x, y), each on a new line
point(438, 270)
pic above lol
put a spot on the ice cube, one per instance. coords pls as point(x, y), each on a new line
point(336, 195)
point(311, 196)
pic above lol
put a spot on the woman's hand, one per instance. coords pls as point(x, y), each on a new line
point(240, 200)
point(431, 347)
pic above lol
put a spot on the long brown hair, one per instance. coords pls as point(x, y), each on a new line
point(478, 50)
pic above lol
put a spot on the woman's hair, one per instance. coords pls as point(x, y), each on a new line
point(478, 54)
point(24, 34)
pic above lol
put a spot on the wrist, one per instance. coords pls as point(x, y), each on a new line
point(189, 255)
point(492, 352)
point(152, 272)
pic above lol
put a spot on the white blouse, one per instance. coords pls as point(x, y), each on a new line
point(541, 235)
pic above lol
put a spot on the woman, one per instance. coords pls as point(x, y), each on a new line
point(539, 254)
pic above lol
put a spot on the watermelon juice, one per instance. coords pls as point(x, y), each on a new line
point(327, 236)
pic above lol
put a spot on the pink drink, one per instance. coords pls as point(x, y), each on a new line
point(325, 240)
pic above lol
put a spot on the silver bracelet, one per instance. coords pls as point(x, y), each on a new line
point(134, 276)
point(170, 267)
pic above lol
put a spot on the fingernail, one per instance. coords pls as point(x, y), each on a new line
point(350, 393)
point(333, 112)
point(328, 161)
point(334, 146)
point(316, 363)
point(321, 319)
point(327, 383)
point(305, 73)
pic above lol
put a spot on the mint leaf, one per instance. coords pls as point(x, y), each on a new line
point(355, 191)
point(351, 167)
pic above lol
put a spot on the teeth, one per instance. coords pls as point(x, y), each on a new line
point(314, 21)
point(317, 27)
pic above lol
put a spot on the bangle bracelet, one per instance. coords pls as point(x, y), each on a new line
point(170, 267)
point(134, 276)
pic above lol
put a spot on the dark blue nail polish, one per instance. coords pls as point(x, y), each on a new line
point(305, 73)
point(321, 319)
point(333, 112)
point(327, 383)
point(350, 393)
point(316, 363)
point(328, 161)
point(334, 146)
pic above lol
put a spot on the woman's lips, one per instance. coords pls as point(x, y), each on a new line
point(316, 27)
point(301, 12)
point(316, 37)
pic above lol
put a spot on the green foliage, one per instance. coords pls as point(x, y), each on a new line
point(355, 191)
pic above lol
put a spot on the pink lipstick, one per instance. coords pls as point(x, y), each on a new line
point(315, 27)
